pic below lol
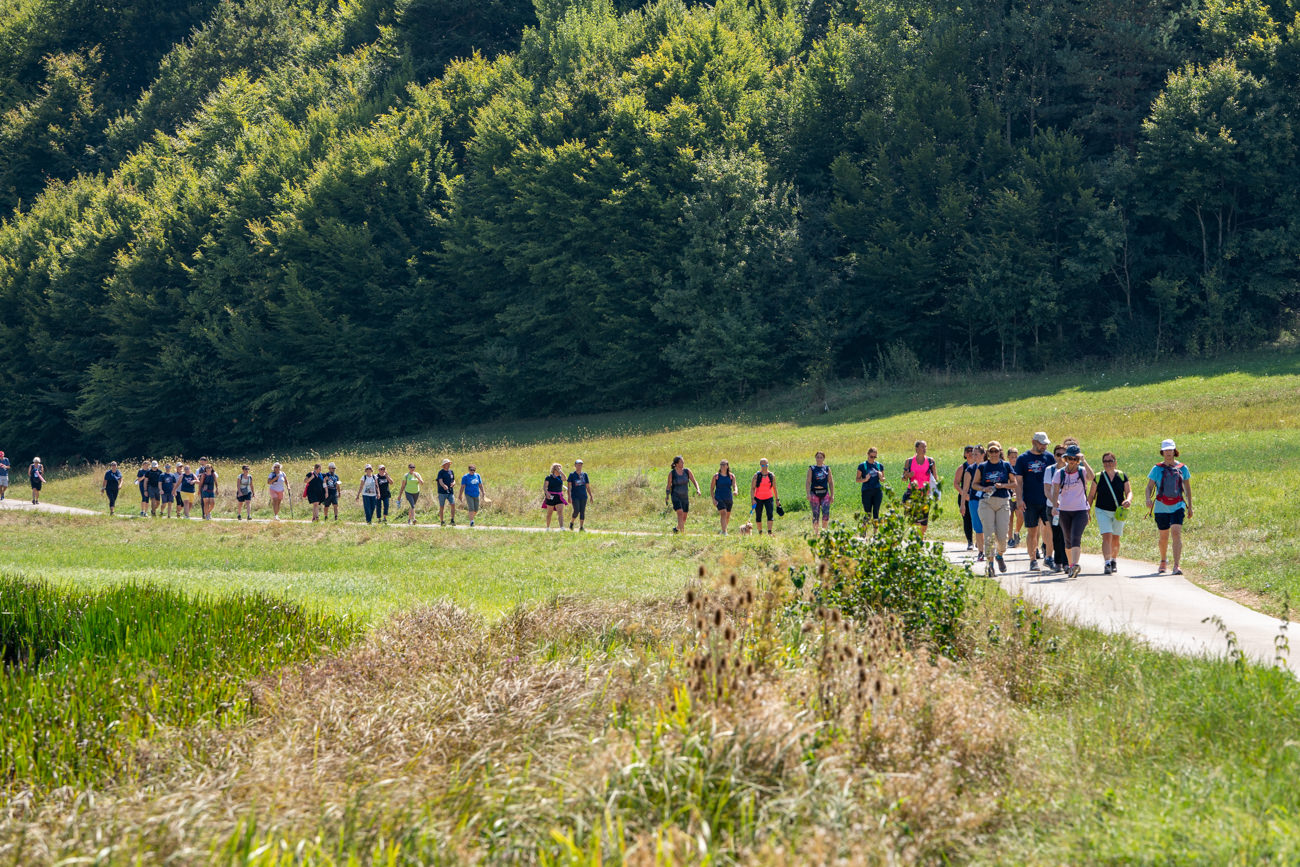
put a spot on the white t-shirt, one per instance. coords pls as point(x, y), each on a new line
point(276, 482)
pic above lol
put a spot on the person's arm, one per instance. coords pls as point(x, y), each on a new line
point(1018, 489)
point(691, 473)
point(776, 498)
point(1187, 495)
point(807, 483)
point(591, 495)
point(858, 478)
point(830, 483)
point(1128, 493)
point(713, 489)
point(668, 489)
point(1151, 487)
point(1092, 493)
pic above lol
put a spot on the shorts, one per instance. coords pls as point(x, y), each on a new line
point(1165, 520)
point(821, 506)
point(314, 498)
point(1037, 513)
point(760, 505)
point(4, 481)
point(1072, 527)
point(243, 498)
point(445, 499)
point(332, 498)
point(1106, 523)
point(471, 503)
point(155, 492)
point(973, 509)
point(920, 514)
point(553, 501)
point(187, 497)
point(144, 495)
point(410, 498)
point(208, 495)
point(36, 485)
point(725, 505)
point(276, 496)
point(681, 503)
point(168, 497)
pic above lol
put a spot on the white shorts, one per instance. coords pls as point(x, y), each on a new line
point(1106, 523)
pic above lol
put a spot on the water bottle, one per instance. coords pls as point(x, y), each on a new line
point(1056, 518)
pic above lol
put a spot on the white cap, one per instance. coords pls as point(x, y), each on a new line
point(578, 461)
point(446, 461)
point(332, 465)
point(153, 463)
point(369, 467)
point(1041, 437)
point(1168, 444)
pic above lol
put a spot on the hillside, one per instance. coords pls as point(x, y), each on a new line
point(278, 221)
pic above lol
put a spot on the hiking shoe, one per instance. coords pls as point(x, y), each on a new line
point(471, 523)
point(1106, 570)
point(1033, 565)
point(988, 570)
point(970, 547)
point(1074, 571)
point(570, 525)
point(980, 558)
point(1002, 564)
point(1049, 563)
point(453, 522)
point(674, 529)
point(582, 529)
point(1164, 567)
point(1176, 571)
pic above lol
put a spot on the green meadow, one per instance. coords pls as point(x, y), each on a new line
point(299, 693)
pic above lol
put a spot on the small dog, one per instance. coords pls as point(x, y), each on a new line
point(746, 529)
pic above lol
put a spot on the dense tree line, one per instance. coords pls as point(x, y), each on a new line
point(273, 221)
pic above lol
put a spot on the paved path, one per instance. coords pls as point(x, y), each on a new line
point(1167, 610)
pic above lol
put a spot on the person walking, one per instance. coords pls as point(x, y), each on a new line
point(144, 491)
point(1070, 502)
point(1017, 522)
point(446, 482)
point(244, 493)
point(1169, 501)
point(277, 485)
point(1031, 493)
point(580, 494)
point(678, 491)
point(972, 457)
point(384, 483)
point(36, 476)
point(722, 490)
point(819, 487)
point(764, 496)
point(471, 491)
point(870, 472)
point(1056, 561)
point(4, 475)
point(167, 483)
point(1111, 496)
point(922, 486)
point(111, 485)
point(331, 479)
point(553, 495)
point(411, 483)
point(992, 487)
point(314, 491)
point(368, 493)
point(153, 485)
point(208, 488)
point(188, 484)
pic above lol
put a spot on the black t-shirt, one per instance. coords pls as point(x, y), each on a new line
point(153, 477)
point(995, 474)
point(554, 484)
point(316, 484)
point(112, 480)
point(446, 481)
point(872, 483)
point(1105, 501)
point(383, 482)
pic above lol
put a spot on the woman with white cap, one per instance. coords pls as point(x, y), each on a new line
point(36, 473)
point(1169, 501)
point(580, 494)
point(277, 485)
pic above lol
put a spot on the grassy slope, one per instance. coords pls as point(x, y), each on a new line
point(1237, 422)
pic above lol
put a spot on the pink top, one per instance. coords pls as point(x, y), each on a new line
point(1073, 497)
point(920, 471)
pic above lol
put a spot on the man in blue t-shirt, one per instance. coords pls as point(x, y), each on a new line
point(4, 475)
point(446, 482)
point(471, 488)
point(167, 487)
point(1031, 499)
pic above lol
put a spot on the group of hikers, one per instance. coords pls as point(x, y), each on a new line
point(1050, 496)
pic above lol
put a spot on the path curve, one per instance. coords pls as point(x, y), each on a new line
point(1168, 611)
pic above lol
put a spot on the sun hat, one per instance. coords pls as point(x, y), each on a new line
point(446, 461)
point(1041, 437)
point(1073, 452)
point(1168, 444)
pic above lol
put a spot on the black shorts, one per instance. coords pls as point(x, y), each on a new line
point(1037, 513)
point(36, 484)
point(243, 498)
point(681, 503)
point(760, 505)
point(725, 505)
point(144, 495)
point(554, 500)
point(1165, 520)
point(331, 498)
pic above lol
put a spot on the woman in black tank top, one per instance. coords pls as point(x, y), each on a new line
point(677, 494)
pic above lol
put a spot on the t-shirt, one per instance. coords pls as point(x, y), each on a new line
point(153, 477)
point(819, 484)
point(112, 480)
point(871, 472)
point(382, 482)
point(412, 483)
point(1032, 470)
point(331, 482)
point(244, 483)
point(471, 484)
point(554, 484)
point(446, 481)
point(139, 478)
point(579, 482)
point(210, 480)
point(369, 487)
point(995, 474)
point(167, 480)
point(967, 477)
point(188, 480)
point(1073, 495)
point(1156, 475)
point(276, 482)
point(763, 483)
point(1105, 501)
point(4, 466)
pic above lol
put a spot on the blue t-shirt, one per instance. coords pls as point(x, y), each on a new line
point(188, 480)
point(112, 480)
point(872, 482)
point(167, 480)
point(1031, 467)
point(995, 474)
point(471, 484)
point(331, 481)
point(4, 466)
point(579, 482)
point(1156, 475)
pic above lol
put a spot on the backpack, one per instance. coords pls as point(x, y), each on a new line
point(1169, 490)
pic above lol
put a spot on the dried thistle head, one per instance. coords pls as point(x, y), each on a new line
point(702, 570)
point(734, 581)
point(690, 596)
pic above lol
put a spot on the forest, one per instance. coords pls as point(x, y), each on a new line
point(238, 223)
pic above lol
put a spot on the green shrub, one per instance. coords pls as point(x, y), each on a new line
point(887, 567)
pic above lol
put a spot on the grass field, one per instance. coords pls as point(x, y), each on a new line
point(549, 698)
point(1237, 422)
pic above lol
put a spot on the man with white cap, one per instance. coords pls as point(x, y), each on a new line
point(332, 491)
point(579, 494)
point(446, 482)
point(1031, 497)
point(1169, 501)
